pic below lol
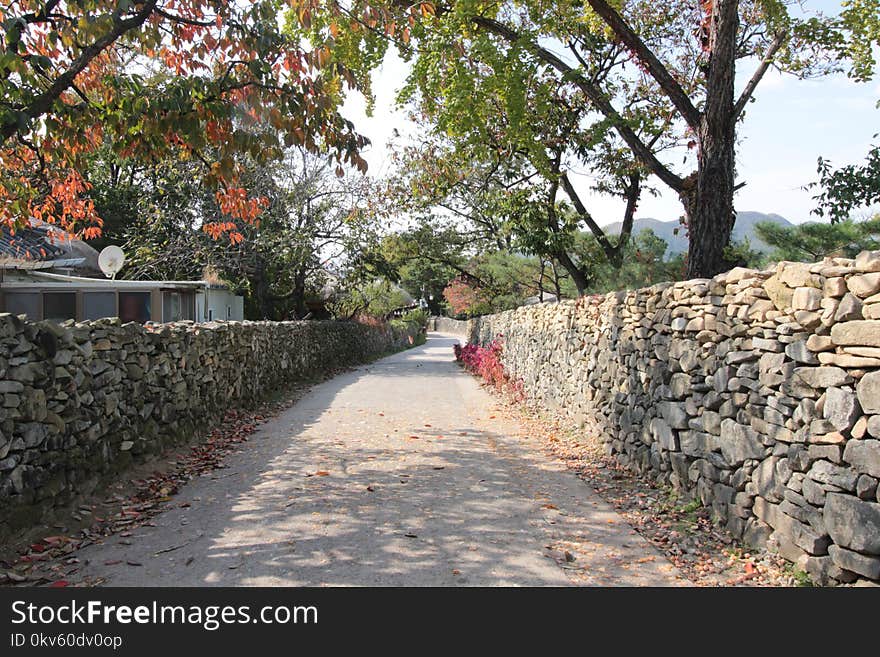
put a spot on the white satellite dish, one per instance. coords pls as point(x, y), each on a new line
point(110, 260)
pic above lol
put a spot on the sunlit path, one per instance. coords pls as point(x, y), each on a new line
point(397, 473)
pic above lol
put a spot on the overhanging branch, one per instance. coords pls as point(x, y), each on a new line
point(595, 95)
point(766, 61)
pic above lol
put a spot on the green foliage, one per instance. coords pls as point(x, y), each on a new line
point(802, 578)
point(847, 188)
point(644, 264)
point(372, 298)
point(741, 254)
point(810, 242)
point(859, 36)
point(413, 323)
point(308, 240)
point(549, 88)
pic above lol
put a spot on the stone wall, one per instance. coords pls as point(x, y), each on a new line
point(757, 392)
point(81, 402)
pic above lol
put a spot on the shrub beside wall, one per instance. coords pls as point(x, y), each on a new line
point(757, 392)
point(82, 402)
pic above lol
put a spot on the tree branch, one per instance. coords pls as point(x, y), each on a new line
point(43, 103)
point(654, 66)
point(766, 61)
point(596, 96)
point(581, 209)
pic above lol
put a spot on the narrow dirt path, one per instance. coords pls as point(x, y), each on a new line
point(396, 473)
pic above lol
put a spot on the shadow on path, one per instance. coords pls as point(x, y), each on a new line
point(397, 473)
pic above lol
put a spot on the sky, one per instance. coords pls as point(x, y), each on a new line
point(789, 126)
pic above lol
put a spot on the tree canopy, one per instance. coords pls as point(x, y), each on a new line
point(619, 89)
point(193, 80)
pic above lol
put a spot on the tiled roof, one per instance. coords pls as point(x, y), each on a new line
point(28, 244)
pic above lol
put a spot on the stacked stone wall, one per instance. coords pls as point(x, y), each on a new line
point(757, 392)
point(80, 402)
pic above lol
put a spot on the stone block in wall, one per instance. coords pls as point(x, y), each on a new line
point(861, 564)
point(739, 443)
point(864, 456)
point(864, 333)
point(868, 390)
point(853, 523)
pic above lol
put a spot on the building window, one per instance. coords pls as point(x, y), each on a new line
point(97, 305)
point(228, 312)
point(23, 303)
point(210, 314)
point(59, 305)
point(177, 306)
point(134, 307)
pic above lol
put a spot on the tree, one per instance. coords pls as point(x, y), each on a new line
point(810, 242)
point(195, 80)
point(672, 78)
point(314, 222)
point(502, 200)
point(465, 299)
point(847, 188)
point(857, 36)
point(423, 259)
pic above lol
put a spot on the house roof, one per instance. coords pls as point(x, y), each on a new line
point(43, 246)
point(28, 244)
point(82, 281)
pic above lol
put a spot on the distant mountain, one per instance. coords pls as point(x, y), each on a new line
point(677, 243)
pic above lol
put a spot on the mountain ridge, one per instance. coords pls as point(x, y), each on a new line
point(672, 232)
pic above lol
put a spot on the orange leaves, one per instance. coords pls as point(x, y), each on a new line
point(202, 81)
point(235, 202)
point(216, 229)
point(320, 57)
point(217, 131)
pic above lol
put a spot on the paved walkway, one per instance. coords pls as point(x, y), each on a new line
point(396, 473)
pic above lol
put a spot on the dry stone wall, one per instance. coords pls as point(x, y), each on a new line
point(757, 392)
point(81, 402)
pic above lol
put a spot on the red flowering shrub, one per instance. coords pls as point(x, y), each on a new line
point(485, 362)
point(464, 298)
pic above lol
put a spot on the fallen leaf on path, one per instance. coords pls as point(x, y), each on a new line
point(549, 506)
point(59, 584)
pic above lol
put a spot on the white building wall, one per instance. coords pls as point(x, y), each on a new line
point(219, 304)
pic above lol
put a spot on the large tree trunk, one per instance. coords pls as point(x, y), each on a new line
point(299, 294)
point(581, 281)
point(708, 197)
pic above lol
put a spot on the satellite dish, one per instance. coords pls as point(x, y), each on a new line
point(110, 260)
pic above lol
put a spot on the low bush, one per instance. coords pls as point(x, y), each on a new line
point(414, 323)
